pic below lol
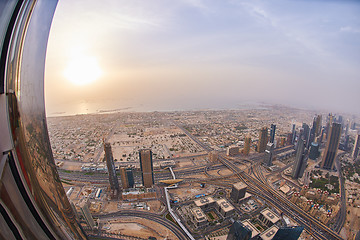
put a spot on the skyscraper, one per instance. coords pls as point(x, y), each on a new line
point(127, 177)
point(300, 160)
point(306, 134)
point(114, 183)
point(269, 154)
point(314, 151)
point(263, 137)
point(33, 203)
point(146, 166)
point(130, 177)
point(288, 233)
point(85, 212)
point(355, 152)
point(238, 231)
point(293, 132)
point(272, 133)
point(318, 124)
point(332, 146)
point(247, 144)
point(123, 177)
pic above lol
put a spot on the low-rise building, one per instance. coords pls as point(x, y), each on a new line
point(224, 207)
point(253, 229)
point(205, 203)
point(232, 151)
point(268, 217)
point(269, 233)
point(199, 218)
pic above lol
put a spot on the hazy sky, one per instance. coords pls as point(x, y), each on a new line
point(191, 54)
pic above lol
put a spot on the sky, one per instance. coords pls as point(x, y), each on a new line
point(194, 54)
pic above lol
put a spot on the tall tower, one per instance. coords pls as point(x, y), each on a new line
point(300, 160)
point(269, 154)
point(114, 183)
point(293, 132)
point(306, 134)
point(146, 166)
point(247, 145)
point(318, 125)
point(272, 133)
point(85, 212)
point(355, 152)
point(123, 177)
point(263, 137)
point(332, 146)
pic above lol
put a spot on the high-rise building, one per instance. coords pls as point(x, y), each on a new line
point(238, 231)
point(33, 203)
point(247, 144)
point(127, 177)
point(318, 124)
point(146, 166)
point(269, 154)
point(130, 177)
point(213, 156)
point(332, 146)
point(306, 134)
point(272, 133)
point(314, 151)
point(300, 160)
point(263, 138)
point(238, 191)
point(355, 151)
point(85, 212)
point(293, 132)
point(288, 233)
point(114, 182)
point(124, 178)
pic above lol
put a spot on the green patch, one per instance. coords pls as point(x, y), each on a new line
point(211, 216)
point(221, 193)
point(89, 173)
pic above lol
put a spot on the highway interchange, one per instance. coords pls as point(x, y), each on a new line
point(257, 185)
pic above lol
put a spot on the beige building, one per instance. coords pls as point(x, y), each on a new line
point(205, 203)
point(123, 177)
point(268, 217)
point(238, 191)
point(213, 156)
point(253, 229)
point(247, 144)
point(269, 233)
point(232, 151)
point(146, 166)
point(263, 139)
point(224, 207)
point(199, 217)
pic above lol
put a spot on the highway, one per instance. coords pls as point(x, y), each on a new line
point(312, 225)
point(150, 216)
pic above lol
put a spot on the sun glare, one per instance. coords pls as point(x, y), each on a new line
point(82, 70)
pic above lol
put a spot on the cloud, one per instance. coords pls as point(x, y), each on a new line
point(349, 29)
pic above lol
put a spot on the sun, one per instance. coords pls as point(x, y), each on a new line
point(82, 70)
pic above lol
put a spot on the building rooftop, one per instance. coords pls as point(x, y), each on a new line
point(199, 214)
point(203, 201)
point(270, 215)
point(248, 224)
point(269, 233)
point(225, 205)
point(240, 185)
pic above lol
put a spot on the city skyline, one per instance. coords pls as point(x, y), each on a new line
point(192, 55)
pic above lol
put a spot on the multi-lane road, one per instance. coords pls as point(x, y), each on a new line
point(272, 196)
